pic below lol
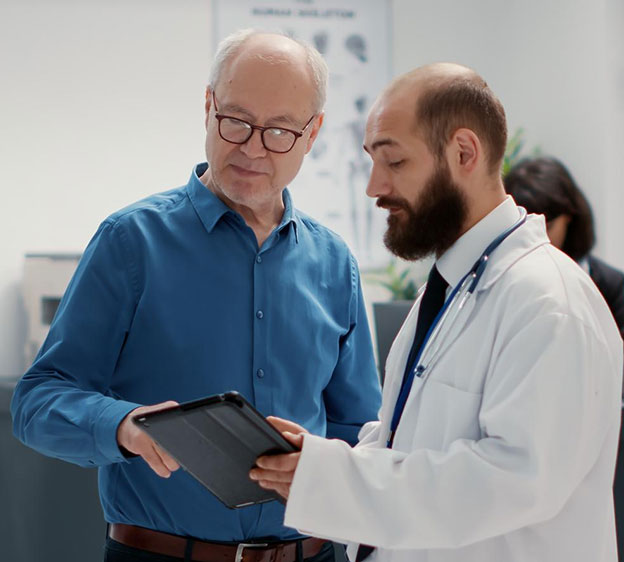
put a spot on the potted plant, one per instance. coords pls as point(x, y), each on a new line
point(514, 151)
point(400, 283)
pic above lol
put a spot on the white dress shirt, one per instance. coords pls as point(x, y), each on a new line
point(506, 450)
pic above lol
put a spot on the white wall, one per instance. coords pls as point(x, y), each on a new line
point(614, 154)
point(102, 103)
point(548, 62)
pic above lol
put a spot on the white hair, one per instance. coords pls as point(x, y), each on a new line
point(231, 45)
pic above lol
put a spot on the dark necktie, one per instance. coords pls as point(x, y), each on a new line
point(432, 302)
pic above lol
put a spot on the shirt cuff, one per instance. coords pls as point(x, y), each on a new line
point(107, 448)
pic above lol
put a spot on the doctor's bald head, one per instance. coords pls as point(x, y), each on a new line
point(437, 137)
point(446, 97)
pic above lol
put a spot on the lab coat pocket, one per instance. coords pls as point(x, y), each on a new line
point(446, 414)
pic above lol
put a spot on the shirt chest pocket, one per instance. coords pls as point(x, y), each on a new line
point(442, 414)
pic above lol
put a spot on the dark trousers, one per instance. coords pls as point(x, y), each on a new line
point(117, 552)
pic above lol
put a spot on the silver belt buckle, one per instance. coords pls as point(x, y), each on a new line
point(243, 545)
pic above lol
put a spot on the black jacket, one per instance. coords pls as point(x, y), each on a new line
point(610, 283)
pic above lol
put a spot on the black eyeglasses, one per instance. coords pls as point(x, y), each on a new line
point(239, 131)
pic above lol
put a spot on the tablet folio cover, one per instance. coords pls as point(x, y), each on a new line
point(217, 440)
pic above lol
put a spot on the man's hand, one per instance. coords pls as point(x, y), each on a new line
point(130, 437)
point(286, 426)
point(276, 472)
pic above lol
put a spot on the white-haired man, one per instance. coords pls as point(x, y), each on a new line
point(219, 285)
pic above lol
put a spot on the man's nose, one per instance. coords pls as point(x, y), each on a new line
point(254, 148)
point(378, 183)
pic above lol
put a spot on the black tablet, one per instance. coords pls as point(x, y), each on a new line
point(217, 440)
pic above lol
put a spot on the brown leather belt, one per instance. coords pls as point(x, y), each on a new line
point(201, 551)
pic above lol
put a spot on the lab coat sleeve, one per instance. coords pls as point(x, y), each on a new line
point(353, 395)
point(62, 406)
point(549, 401)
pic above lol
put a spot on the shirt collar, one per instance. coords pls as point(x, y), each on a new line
point(467, 249)
point(211, 209)
point(290, 215)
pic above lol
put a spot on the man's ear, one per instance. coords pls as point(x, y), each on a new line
point(207, 104)
point(464, 151)
point(316, 127)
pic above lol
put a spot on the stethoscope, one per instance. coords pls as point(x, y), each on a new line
point(449, 313)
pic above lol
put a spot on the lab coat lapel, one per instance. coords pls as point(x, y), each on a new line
point(452, 326)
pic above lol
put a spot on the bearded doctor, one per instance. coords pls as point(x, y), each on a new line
point(499, 425)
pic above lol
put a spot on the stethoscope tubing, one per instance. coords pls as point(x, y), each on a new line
point(428, 352)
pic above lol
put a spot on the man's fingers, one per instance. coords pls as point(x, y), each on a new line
point(163, 405)
point(277, 477)
point(151, 456)
point(135, 440)
point(282, 463)
point(282, 489)
point(129, 436)
point(286, 425)
point(275, 469)
point(167, 459)
point(296, 440)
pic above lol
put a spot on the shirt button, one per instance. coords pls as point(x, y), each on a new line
point(259, 259)
point(260, 373)
point(259, 315)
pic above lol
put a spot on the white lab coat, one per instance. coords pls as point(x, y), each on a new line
point(506, 452)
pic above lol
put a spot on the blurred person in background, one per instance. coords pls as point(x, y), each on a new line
point(545, 186)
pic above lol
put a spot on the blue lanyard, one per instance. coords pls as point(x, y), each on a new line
point(417, 369)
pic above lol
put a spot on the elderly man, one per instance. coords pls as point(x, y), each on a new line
point(499, 424)
point(218, 285)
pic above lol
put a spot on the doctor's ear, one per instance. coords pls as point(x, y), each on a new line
point(464, 151)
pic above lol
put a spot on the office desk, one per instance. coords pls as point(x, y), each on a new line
point(49, 509)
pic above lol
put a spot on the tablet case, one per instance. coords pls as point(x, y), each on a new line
point(217, 440)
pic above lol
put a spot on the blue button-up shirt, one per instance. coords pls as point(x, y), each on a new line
point(173, 299)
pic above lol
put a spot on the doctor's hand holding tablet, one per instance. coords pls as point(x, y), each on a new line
point(276, 472)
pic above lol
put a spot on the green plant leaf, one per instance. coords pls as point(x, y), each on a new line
point(398, 282)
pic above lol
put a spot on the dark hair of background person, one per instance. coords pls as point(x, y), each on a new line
point(463, 102)
point(544, 185)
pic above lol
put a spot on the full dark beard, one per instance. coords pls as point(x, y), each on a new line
point(433, 225)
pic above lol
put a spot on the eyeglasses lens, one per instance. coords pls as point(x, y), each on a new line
point(238, 131)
